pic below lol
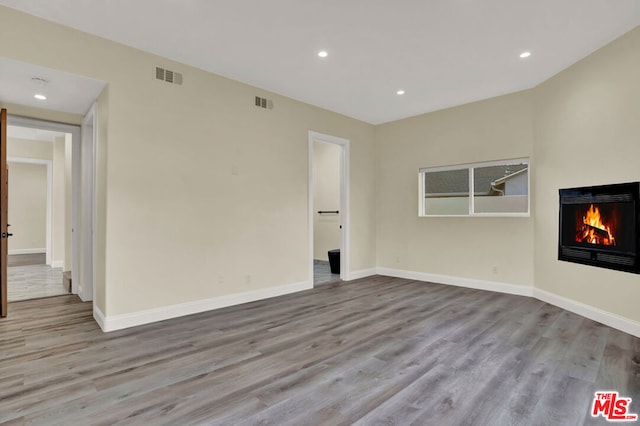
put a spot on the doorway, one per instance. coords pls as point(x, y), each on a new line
point(328, 209)
point(34, 267)
point(69, 215)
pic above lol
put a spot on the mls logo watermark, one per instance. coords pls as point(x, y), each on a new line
point(612, 407)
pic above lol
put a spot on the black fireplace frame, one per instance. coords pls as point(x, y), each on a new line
point(609, 258)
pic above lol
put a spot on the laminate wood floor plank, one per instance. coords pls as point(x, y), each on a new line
point(379, 350)
point(566, 401)
point(583, 356)
point(228, 381)
point(328, 385)
point(620, 370)
point(26, 259)
point(132, 374)
point(282, 348)
point(533, 326)
point(439, 393)
point(528, 386)
point(32, 280)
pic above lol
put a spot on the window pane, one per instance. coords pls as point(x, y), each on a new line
point(446, 192)
point(501, 189)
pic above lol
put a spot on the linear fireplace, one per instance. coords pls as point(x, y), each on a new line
point(600, 226)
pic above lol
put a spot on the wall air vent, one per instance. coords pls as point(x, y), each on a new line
point(263, 103)
point(168, 76)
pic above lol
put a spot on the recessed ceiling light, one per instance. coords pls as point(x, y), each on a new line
point(525, 55)
point(400, 92)
point(40, 97)
point(323, 54)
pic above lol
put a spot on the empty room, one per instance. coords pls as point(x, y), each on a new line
point(315, 212)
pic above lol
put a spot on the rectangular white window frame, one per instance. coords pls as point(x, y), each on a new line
point(471, 167)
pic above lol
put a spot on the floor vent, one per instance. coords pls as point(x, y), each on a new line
point(263, 103)
point(168, 76)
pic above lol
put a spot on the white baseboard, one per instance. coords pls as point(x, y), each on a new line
point(99, 317)
point(118, 322)
point(362, 273)
point(28, 251)
point(612, 320)
point(57, 264)
point(520, 290)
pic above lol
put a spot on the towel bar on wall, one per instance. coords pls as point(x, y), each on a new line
point(328, 211)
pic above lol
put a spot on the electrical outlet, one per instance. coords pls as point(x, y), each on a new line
point(247, 279)
point(220, 279)
point(495, 270)
point(397, 259)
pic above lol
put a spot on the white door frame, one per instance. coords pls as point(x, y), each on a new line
point(76, 194)
point(344, 201)
point(88, 245)
point(48, 226)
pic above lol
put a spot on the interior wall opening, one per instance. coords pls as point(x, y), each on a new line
point(28, 277)
point(37, 165)
point(328, 209)
point(326, 215)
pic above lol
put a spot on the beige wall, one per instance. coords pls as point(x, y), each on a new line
point(25, 148)
point(580, 128)
point(489, 249)
point(174, 224)
point(55, 153)
point(40, 113)
point(587, 126)
point(326, 196)
point(28, 193)
point(27, 206)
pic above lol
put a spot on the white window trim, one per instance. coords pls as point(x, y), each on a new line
point(470, 167)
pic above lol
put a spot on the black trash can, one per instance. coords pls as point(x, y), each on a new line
point(334, 261)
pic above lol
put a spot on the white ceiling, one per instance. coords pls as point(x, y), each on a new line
point(65, 92)
point(442, 52)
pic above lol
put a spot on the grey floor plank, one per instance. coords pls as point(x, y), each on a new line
point(374, 351)
point(566, 401)
point(27, 280)
point(26, 259)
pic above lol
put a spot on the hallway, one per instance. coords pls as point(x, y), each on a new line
point(27, 280)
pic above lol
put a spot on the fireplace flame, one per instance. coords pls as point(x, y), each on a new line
point(593, 230)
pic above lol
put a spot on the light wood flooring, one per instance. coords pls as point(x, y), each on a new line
point(26, 259)
point(28, 277)
point(376, 351)
point(322, 273)
point(34, 281)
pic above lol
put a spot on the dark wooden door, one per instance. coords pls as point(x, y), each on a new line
point(4, 198)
